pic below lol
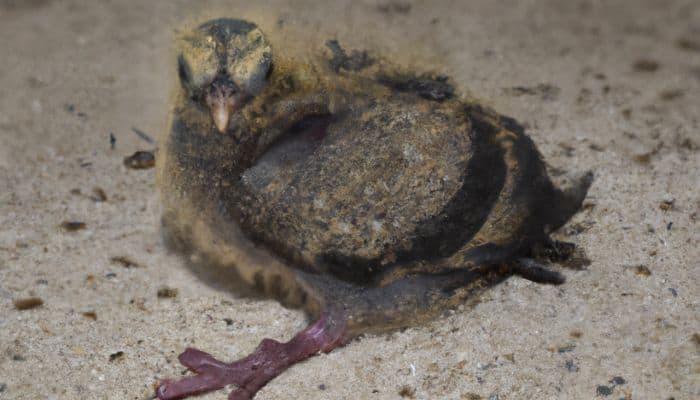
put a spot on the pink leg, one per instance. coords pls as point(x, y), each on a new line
point(251, 373)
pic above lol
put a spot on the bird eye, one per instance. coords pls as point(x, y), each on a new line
point(198, 62)
point(248, 61)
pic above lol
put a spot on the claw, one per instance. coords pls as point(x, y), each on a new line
point(536, 272)
point(199, 361)
point(189, 386)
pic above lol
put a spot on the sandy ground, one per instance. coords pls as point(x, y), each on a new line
point(612, 86)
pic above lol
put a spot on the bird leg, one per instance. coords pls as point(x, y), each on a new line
point(251, 373)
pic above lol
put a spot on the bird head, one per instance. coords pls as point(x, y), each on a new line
point(222, 65)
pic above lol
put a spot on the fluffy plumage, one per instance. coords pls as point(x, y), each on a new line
point(371, 196)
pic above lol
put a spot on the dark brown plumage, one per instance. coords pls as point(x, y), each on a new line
point(371, 196)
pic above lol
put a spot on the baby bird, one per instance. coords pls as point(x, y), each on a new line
point(372, 197)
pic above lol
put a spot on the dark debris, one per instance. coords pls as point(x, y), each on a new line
point(603, 390)
point(696, 339)
point(407, 392)
point(671, 94)
point(646, 65)
point(116, 356)
point(90, 315)
point(566, 349)
point(143, 135)
point(571, 366)
point(618, 380)
point(642, 270)
point(125, 262)
point(98, 195)
point(394, 7)
point(72, 226)
point(28, 303)
point(545, 91)
point(688, 44)
point(667, 204)
point(165, 292)
point(140, 160)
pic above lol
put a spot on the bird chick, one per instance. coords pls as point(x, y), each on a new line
point(372, 197)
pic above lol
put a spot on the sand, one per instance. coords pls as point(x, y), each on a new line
point(608, 86)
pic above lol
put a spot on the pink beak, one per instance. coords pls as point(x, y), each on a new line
point(222, 102)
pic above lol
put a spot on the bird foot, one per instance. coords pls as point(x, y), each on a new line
point(251, 373)
point(537, 272)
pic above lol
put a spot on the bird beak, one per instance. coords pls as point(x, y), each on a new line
point(222, 102)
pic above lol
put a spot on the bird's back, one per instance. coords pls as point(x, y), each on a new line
point(358, 191)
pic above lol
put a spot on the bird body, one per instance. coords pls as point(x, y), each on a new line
point(372, 197)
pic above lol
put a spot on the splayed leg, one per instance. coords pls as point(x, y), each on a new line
point(251, 373)
point(350, 310)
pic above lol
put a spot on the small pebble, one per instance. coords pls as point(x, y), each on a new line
point(116, 356)
point(167, 292)
point(566, 349)
point(125, 262)
point(571, 366)
point(72, 226)
point(28, 303)
point(98, 195)
point(603, 390)
point(688, 44)
point(618, 380)
point(696, 339)
point(407, 392)
point(90, 315)
point(140, 160)
point(646, 65)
